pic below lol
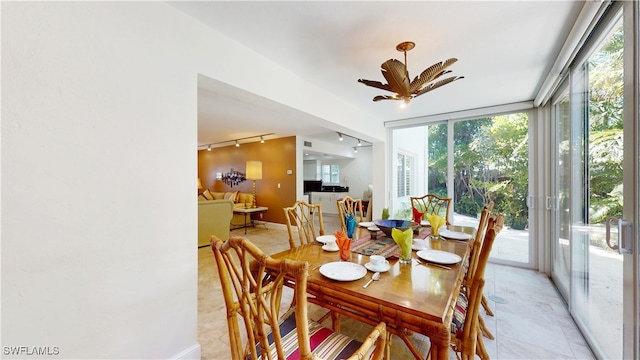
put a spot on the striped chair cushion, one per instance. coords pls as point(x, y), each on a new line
point(325, 343)
point(459, 315)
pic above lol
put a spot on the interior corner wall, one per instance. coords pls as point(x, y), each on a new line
point(99, 214)
point(277, 188)
point(381, 170)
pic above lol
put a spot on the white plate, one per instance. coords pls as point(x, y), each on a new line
point(343, 271)
point(326, 238)
point(365, 224)
point(454, 235)
point(326, 247)
point(373, 228)
point(385, 268)
point(419, 244)
point(425, 223)
point(439, 257)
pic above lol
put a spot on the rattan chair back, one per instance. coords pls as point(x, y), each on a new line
point(470, 342)
point(433, 204)
point(307, 220)
point(350, 206)
point(476, 245)
point(252, 287)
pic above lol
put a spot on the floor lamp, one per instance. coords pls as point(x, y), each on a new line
point(254, 172)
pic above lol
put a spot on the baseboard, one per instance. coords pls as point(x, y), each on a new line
point(193, 352)
point(266, 224)
point(278, 226)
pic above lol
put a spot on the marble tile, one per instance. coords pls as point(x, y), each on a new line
point(533, 324)
point(529, 331)
point(509, 348)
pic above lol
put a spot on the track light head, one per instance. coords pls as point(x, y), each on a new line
point(340, 137)
point(237, 144)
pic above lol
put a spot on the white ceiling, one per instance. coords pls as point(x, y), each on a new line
point(504, 49)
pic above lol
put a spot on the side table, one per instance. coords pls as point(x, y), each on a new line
point(247, 212)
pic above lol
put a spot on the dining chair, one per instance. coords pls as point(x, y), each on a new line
point(474, 258)
point(432, 204)
point(350, 206)
point(268, 334)
point(476, 246)
point(495, 223)
point(307, 219)
point(466, 322)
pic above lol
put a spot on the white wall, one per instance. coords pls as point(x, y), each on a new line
point(99, 218)
point(98, 165)
point(356, 173)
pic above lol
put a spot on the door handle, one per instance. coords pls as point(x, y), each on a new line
point(551, 203)
point(625, 245)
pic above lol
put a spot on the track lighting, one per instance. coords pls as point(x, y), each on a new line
point(236, 141)
point(360, 142)
point(355, 149)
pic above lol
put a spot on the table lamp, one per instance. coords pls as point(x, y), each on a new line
point(254, 172)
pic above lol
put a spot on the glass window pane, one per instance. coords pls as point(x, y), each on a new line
point(491, 159)
point(596, 190)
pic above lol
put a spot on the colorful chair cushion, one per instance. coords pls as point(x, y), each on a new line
point(325, 343)
point(459, 315)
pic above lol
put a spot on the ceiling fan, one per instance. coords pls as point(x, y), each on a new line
point(397, 76)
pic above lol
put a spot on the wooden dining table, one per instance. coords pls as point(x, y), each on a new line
point(415, 297)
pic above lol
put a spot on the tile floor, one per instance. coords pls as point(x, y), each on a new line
point(530, 322)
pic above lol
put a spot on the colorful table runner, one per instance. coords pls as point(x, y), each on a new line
point(383, 245)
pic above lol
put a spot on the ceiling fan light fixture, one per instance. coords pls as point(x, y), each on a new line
point(399, 82)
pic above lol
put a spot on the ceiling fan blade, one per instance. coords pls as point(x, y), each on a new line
point(431, 73)
point(385, 97)
point(395, 73)
point(375, 84)
point(438, 84)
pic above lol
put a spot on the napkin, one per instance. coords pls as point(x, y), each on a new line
point(344, 244)
point(436, 222)
point(350, 223)
point(404, 239)
point(417, 215)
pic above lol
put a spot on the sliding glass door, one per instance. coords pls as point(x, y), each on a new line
point(594, 189)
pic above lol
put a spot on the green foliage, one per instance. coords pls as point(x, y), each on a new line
point(491, 159)
point(385, 213)
point(605, 136)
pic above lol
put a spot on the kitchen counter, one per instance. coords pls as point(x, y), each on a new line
point(329, 200)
